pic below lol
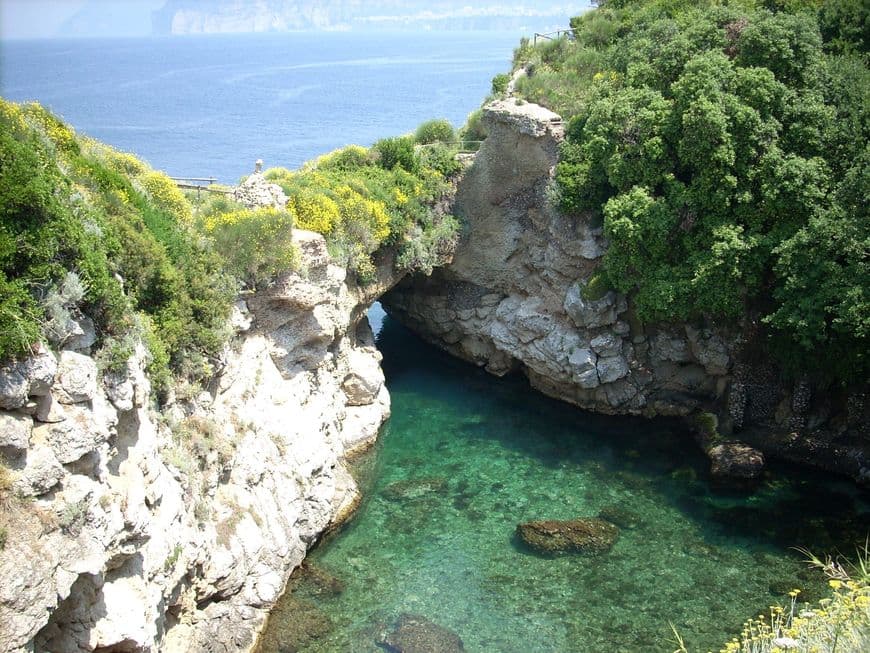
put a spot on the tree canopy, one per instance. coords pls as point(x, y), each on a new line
point(724, 147)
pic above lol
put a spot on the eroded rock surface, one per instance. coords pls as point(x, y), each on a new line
point(518, 296)
point(129, 531)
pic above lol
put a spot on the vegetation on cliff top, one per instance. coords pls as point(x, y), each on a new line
point(724, 146)
point(95, 232)
point(89, 231)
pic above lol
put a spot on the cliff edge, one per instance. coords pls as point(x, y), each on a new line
point(129, 529)
point(520, 295)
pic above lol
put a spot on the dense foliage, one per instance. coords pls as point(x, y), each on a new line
point(361, 199)
point(74, 213)
point(88, 231)
point(724, 146)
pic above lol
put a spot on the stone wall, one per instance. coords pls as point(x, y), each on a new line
point(517, 297)
point(126, 529)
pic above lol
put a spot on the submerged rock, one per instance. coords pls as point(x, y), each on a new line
point(415, 634)
point(316, 580)
point(412, 489)
point(294, 625)
point(735, 460)
point(586, 536)
point(620, 516)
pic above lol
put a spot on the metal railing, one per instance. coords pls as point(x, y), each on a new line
point(199, 184)
point(465, 147)
point(553, 36)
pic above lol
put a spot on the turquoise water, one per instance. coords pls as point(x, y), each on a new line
point(466, 457)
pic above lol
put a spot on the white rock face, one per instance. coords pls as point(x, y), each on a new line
point(15, 430)
point(513, 297)
point(257, 191)
point(77, 374)
point(130, 526)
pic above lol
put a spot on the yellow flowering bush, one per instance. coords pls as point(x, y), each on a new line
point(346, 158)
point(255, 243)
point(122, 162)
point(166, 195)
point(61, 136)
point(12, 118)
point(838, 624)
point(361, 217)
point(315, 212)
point(361, 202)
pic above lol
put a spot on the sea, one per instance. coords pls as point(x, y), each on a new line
point(465, 456)
point(211, 105)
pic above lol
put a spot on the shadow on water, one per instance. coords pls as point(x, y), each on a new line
point(792, 507)
point(466, 457)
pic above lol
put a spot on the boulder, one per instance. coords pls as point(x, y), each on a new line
point(83, 335)
point(415, 634)
point(606, 344)
point(412, 489)
point(620, 516)
point(735, 460)
point(40, 370)
point(592, 313)
point(363, 382)
point(257, 191)
point(13, 387)
point(584, 373)
point(670, 347)
point(48, 410)
point(15, 432)
point(77, 376)
point(77, 435)
point(120, 390)
point(612, 368)
point(526, 118)
point(585, 536)
point(41, 473)
point(710, 350)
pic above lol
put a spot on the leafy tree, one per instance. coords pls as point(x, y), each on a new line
point(723, 145)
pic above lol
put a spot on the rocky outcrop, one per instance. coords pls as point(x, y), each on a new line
point(257, 191)
point(521, 294)
point(129, 530)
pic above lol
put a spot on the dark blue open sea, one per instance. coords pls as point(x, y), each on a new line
point(212, 105)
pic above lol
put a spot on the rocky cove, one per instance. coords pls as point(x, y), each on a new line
point(120, 542)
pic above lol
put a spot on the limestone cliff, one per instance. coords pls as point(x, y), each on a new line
point(517, 297)
point(125, 529)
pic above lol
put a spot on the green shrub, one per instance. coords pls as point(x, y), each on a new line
point(73, 208)
point(500, 84)
point(396, 152)
point(429, 248)
point(725, 152)
point(435, 131)
point(347, 158)
point(19, 317)
point(255, 243)
point(596, 288)
point(473, 131)
point(441, 158)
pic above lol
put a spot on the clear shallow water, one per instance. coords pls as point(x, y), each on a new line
point(211, 105)
point(466, 457)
